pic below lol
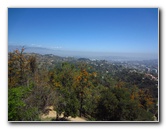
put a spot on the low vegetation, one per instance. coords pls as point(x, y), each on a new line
point(77, 89)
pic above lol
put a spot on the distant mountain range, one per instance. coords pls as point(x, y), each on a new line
point(81, 54)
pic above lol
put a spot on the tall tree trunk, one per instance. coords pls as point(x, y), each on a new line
point(81, 104)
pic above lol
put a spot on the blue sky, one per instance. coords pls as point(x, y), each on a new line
point(128, 30)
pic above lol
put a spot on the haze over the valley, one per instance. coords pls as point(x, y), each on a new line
point(87, 54)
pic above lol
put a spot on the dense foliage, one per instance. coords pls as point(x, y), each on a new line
point(78, 89)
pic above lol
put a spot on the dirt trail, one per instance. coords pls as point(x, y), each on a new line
point(52, 115)
point(79, 119)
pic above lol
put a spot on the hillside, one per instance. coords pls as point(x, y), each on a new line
point(96, 90)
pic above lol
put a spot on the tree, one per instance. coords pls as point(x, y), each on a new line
point(62, 81)
point(145, 98)
point(107, 106)
point(18, 68)
point(18, 109)
point(118, 104)
point(82, 84)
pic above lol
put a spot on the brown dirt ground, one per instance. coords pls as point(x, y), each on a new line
point(52, 115)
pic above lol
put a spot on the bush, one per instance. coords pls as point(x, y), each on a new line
point(18, 110)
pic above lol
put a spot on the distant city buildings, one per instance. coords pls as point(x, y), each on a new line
point(147, 69)
point(154, 70)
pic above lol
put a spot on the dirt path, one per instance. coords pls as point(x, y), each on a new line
point(78, 119)
point(52, 115)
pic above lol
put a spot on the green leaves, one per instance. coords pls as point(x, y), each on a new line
point(76, 89)
point(115, 105)
point(18, 110)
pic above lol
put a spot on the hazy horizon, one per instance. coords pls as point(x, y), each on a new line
point(87, 54)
